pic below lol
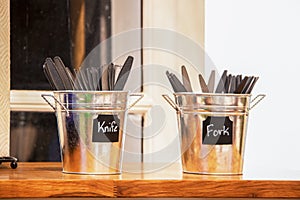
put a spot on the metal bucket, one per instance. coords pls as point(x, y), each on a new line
point(91, 126)
point(212, 130)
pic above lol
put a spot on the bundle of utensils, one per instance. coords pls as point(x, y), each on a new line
point(228, 83)
point(107, 77)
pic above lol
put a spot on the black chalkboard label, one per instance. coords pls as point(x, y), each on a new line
point(217, 131)
point(106, 128)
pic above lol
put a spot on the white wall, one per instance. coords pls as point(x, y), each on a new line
point(262, 37)
point(164, 22)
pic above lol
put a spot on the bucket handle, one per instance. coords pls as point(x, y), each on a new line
point(139, 95)
point(171, 102)
point(56, 100)
point(256, 100)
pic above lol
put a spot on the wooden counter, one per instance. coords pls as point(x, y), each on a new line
point(45, 179)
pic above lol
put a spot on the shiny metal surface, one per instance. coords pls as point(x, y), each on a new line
point(79, 153)
point(211, 158)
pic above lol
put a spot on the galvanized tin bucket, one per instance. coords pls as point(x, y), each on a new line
point(91, 126)
point(213, 130)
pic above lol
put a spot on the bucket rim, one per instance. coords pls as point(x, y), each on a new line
point(90, 92)
point(211, 94)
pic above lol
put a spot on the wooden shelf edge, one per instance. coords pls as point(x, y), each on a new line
point(56, 188)
point(208, 189)
point(46, 180)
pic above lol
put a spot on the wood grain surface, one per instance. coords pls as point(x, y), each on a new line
point(208, 188)
point(43, 180)
point(31, 180)
point(4, 78)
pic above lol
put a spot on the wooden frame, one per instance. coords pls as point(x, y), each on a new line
point(4, 77)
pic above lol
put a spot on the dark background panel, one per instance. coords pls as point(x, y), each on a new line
point(38, 29)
